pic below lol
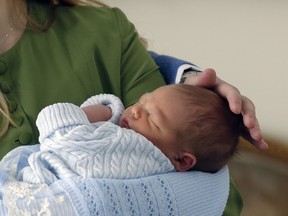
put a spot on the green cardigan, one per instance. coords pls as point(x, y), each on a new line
point(87, 51)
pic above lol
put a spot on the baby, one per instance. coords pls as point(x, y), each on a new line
point(174, 128)
point(192, 126)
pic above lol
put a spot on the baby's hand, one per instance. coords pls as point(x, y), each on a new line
point(97, 112)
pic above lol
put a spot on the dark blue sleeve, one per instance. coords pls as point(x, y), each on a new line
point(169, 66)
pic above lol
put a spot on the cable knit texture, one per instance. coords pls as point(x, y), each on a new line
point(71, 173)
point(71, 146)
point(157, 195)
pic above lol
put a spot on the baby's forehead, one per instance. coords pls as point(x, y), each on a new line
point(165, 97)
point(169, 90)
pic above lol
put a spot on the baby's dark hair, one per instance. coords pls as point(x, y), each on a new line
point(212, 130)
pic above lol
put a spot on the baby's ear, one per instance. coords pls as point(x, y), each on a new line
point(185, 161)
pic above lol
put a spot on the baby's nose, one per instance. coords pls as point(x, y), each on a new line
point(137, 112)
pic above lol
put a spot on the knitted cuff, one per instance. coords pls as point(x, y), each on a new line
point(113, 102)
point(57, 116)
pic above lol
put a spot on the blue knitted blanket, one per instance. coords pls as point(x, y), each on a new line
point(164, 194)
point(174, 193)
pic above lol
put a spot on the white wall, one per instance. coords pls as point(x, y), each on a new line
point(245, 41)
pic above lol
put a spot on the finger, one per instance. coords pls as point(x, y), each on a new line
point(261, 144)
point(248, 113)
point(255, 132)
point(255, 140)
point(256, 135)
point(232, 95)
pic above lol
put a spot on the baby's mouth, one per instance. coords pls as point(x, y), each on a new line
point(124, 123)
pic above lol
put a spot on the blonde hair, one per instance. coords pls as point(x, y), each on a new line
point(5, 119)
point(53, 5)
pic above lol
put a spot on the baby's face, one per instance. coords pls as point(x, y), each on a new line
point(158, 116)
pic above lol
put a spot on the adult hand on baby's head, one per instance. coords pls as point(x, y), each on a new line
point(251, 132)
point(237, 102)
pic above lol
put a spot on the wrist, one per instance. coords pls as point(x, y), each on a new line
point(187, 73)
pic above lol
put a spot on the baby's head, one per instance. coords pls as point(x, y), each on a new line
point(192, 126)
